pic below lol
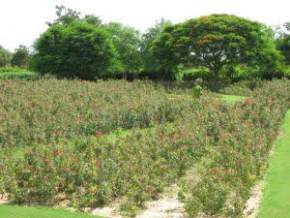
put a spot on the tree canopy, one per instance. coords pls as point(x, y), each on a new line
point(215, 42)
point(78, 49)
point(219, 45)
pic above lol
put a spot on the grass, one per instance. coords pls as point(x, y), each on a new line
point(10, 211)
point(18, 75)
point(231, 99)
point(276, 199)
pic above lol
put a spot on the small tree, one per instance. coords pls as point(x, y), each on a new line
point(5, 57)
point(21, 57)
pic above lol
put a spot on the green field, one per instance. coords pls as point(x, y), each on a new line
point(276, 200)
point(9, 211)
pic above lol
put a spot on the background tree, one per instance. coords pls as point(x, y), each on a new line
point(126, 41)
point(78, 49)
point(92, 19)
point(65, 15)
point(21, 57)
point(283, 42)
point(150, 63)
point(5, 57)
point(216, 42)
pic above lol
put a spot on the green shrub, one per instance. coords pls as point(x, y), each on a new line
point(242, 88)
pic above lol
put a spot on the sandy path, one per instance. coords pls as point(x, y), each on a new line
point(168, 206)
point(109, 212)
point(164, 208)
point(253, 203)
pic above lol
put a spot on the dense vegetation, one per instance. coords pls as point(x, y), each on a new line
point(45, 110)
point(242, 139)
point(69, 138)
point(64, 142)
point(218, 43)
point(215, 47)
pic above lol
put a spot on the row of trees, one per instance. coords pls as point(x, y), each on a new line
point(84, 47)
point(219, 46)
point(20, 58)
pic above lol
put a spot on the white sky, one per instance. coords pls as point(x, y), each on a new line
point(22, 21)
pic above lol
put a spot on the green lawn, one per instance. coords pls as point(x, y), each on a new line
point(10, 211)
point(276, 199)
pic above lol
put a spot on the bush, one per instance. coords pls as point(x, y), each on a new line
point(195, 73)
point(242, 88)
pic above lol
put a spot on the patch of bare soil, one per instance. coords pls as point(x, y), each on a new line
point(252, 205)
point(164, 208)
point(168, 206)
point(4, 199)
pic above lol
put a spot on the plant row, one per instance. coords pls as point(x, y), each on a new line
point(233, 141)
point(46, 110)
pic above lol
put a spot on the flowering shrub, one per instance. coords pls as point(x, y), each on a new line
point(84, 168)
point(46, 110)
point(242, 137)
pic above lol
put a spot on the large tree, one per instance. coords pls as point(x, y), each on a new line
point(77, 49)
point(216, 42)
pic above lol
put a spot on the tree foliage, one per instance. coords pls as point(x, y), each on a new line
point(283, 43)
point(126, 41)
point(150, 63)
point(21, 57)
point(5, 57)
point(65, 15)
point(78, 49)
point(216, 42)
point(223, 46)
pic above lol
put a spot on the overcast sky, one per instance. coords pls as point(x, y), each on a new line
point(22, 21)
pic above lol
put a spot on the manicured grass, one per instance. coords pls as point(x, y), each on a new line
point(10, 211)
point(232, 98)
point(276, 199)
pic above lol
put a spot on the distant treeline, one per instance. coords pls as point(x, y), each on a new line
point(213, 47)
